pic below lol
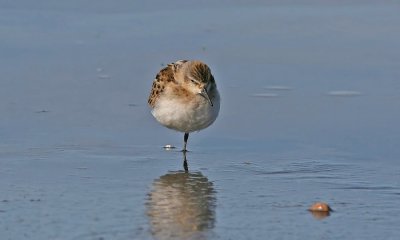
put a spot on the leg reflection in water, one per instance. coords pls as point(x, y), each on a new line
point(181, 205)
point(185, 164)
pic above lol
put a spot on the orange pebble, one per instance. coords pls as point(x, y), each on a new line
point(320, 207)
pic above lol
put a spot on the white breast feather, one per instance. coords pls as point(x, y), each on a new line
point(186, 117)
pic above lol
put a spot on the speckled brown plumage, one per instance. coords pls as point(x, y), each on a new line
point(165, 75)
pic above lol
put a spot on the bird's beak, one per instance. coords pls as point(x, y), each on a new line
point(205, 95)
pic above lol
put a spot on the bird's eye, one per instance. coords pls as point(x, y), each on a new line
point(193, 81)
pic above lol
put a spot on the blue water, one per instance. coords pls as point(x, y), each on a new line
point(309, 112)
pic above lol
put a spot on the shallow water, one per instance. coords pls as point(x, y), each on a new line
point(310, 99)
point(114, 192)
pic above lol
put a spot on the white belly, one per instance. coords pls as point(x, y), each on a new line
point(186, 116)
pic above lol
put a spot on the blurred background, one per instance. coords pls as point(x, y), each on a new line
point(318, 72)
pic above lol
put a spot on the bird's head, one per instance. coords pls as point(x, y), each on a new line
point(198, 78)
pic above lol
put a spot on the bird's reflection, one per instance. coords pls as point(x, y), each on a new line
point(181, 206)
point(320, 215)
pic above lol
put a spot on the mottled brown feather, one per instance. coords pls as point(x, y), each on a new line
point(165, 75)
point(196, 69)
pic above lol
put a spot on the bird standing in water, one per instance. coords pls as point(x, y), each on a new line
point(184, 97)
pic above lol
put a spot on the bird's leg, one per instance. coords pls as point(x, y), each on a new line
point(185, 139)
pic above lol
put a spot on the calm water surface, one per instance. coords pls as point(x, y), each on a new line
point(310, 112)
